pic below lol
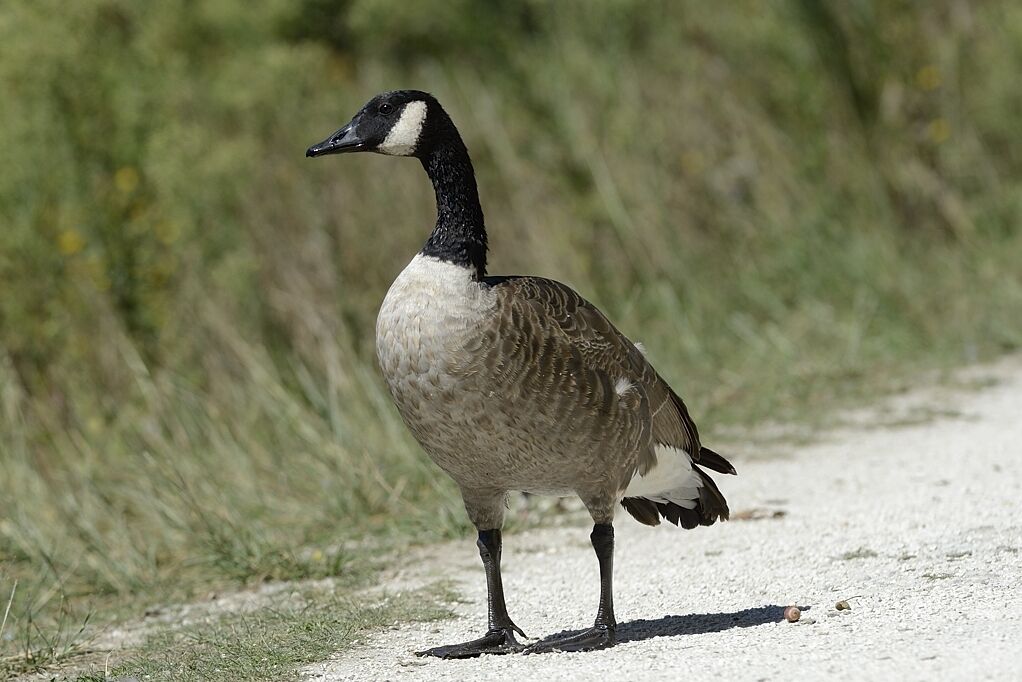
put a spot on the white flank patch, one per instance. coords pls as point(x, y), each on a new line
point(672, 479)
point(622, 386)
point(403, 137)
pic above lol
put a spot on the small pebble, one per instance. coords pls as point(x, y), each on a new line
point(843, 606)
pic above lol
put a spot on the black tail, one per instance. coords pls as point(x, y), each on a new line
point(710, 507)
point(711, 460)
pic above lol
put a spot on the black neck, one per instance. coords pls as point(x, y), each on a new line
point(459, 236)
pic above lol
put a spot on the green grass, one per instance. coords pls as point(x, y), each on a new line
point(272, 643)
point(269, 641)
point(796, 206)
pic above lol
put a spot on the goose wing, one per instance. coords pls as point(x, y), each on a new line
point(560, 316)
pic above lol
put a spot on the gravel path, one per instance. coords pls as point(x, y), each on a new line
point(919, 527)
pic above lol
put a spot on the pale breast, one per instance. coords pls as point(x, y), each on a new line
point(429, 313)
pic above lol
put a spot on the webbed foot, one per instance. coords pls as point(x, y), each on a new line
point(497, 641)
point(596, 637)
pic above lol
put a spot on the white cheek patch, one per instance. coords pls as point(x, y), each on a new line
point(403, 137)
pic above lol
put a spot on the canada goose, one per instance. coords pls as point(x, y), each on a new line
point(518, 383)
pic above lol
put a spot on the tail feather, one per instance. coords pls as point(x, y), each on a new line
point(679, 516)
point(711, 460)
point(642, 510)
point(710, 507)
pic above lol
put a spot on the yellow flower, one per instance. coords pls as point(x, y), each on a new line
point(70, 242)
point(126, 179)
point(939, 130)
point(928, 77)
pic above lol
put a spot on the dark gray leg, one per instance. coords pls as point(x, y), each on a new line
point(602, 538)
point(489, 543)
point(500, 637)
point(601, 635)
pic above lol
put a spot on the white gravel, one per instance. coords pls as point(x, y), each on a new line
point(918, 526)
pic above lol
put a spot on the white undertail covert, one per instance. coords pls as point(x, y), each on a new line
point(672, 479)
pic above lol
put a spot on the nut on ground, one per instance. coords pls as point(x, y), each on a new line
point(792, 614)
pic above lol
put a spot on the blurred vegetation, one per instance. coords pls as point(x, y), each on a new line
point(791, 204)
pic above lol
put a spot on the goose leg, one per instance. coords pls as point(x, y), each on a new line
point(500, 637)
point(601, 634)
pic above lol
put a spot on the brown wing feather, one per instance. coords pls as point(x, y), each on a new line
point(558, 324)
point(603, 347)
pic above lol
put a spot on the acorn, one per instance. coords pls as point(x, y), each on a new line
point(792, 614)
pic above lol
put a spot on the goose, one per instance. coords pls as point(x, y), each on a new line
point(517, 383)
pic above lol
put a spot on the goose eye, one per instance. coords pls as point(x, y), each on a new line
point(386, 108)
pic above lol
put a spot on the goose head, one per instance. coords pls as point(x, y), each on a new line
point(397, 123)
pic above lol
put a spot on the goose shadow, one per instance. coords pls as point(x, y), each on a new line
point(691, 624)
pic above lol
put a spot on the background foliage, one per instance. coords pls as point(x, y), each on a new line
point(790, 203)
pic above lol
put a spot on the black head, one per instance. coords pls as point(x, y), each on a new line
point(398, 123)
